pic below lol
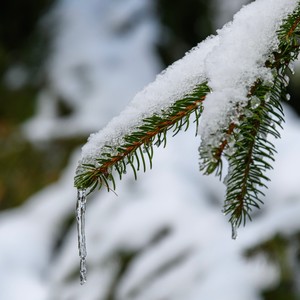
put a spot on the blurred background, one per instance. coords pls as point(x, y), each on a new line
point(66, 68)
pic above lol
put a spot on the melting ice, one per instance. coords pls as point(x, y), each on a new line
point(80, 217)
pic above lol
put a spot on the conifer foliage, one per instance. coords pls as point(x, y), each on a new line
point(243, 141)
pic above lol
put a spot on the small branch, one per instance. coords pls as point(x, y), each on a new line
point(241, 196)
point(147, 138)
point(294, 26)
point(149, 135)
point(224, 143)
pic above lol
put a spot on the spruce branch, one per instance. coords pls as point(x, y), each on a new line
point(139, 143)
point(243, 142)
point(251, 154)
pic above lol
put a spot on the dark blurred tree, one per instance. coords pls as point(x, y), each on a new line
point(23, 48)
point(22, 44)
point(185, 24)
point(19, 21)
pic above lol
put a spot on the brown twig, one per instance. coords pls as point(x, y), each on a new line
point(147, 138)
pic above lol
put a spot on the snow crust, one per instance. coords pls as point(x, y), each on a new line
point(239, 60)
point(231, 62)
point(173, 83)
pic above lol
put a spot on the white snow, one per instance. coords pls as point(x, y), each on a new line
point(171, 85)
point(80, 218)
point(239, 60)
point(231, 62)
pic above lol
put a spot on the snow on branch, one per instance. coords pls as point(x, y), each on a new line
point(235, 81)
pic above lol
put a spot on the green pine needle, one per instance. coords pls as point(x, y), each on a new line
point(138, 146)
point(244, 144)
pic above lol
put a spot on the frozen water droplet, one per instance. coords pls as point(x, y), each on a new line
point(230, 141)
point(80, 217)
point(236, 130)
point(248, 113)
point(254, 102)
point(267, 97)
point(230, 151)
point(268, 83)
point(288, 97)
point(233, 231)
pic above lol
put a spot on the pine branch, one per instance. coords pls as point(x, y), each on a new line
point(139, 143)
point(253, 154)
point(245, 143)
point(244, 140)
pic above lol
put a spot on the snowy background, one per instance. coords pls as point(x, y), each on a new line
point(163, 237)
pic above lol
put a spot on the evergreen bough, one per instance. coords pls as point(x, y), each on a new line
point(244, 143)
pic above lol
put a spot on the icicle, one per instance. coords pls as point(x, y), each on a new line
point(80, 217)
point(233, 230)
point(255, 102)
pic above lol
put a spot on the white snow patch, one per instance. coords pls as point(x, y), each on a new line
point(239, 60)
point(171, 85)
point(231, 62)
